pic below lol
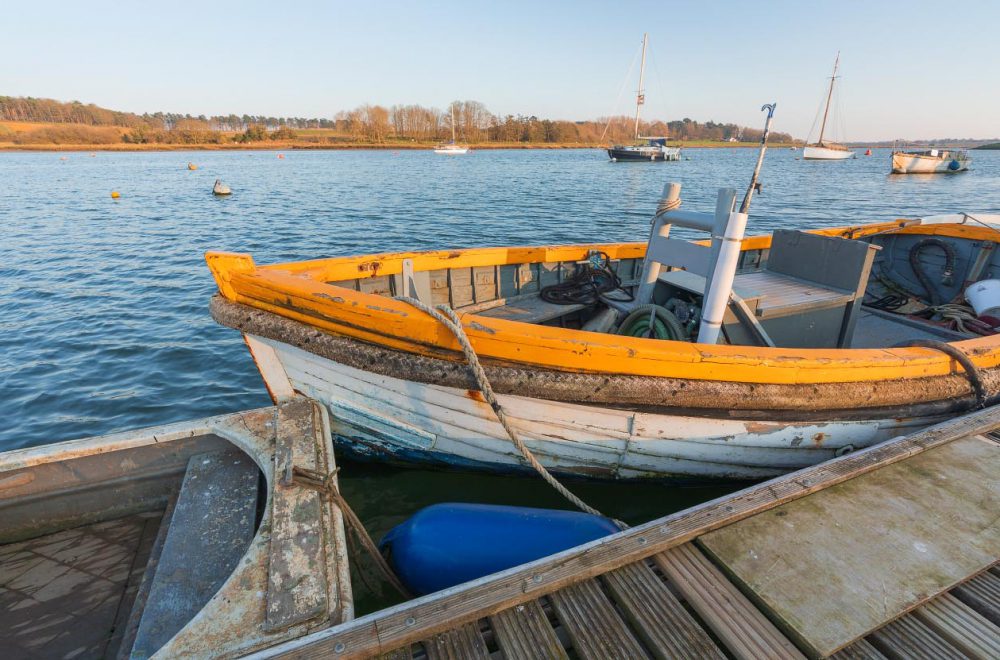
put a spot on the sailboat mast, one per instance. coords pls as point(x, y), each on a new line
point(640, 97)
point(829, 96)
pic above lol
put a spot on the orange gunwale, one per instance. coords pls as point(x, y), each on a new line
point(299, 291)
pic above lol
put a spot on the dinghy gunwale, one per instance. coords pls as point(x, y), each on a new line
point(300, 291)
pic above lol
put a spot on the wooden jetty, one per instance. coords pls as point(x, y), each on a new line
point(195, 539)
point(889, 552)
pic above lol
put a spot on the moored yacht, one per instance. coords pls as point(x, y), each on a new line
point(656, 147)
point(825, 149)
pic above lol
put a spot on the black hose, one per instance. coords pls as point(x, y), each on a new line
point(585, 285)
point(971, 370)
point(933, 295)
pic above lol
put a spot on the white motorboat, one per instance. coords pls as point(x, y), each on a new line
point(930, 161)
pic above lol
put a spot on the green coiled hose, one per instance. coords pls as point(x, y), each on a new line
point(665, 324)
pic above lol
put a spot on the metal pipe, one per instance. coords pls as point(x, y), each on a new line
point(721, 280)
point(745, 206)
point(661, 228)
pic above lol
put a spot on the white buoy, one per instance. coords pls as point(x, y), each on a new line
point(220, 188)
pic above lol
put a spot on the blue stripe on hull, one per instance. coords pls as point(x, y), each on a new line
point(361, 450)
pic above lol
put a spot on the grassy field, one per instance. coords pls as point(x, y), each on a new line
point(40, 136)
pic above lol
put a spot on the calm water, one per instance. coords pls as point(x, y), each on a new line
point(104, 323)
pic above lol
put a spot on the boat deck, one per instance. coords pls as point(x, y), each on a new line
point(889, 552)
point(69, 594)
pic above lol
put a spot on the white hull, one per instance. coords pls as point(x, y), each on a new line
point(385, 418)
point(822, 153)
point(914, 164)
point(457, 151)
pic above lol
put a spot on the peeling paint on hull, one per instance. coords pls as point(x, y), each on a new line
point(378, 417)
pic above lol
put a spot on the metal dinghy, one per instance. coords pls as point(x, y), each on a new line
point(175, 541)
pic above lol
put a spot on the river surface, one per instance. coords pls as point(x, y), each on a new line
point(104, 322)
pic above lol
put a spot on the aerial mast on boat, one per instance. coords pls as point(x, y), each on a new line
point(829, 96)
point(640, 98)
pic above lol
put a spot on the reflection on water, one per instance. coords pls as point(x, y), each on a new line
point(103, 303)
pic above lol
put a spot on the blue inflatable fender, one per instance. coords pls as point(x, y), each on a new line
point(447, 544)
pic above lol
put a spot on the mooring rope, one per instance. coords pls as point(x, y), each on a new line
point(666, 206)
point(327, 485)
point(971, 371)
point(447, 317)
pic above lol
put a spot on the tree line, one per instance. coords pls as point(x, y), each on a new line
point(374, 124)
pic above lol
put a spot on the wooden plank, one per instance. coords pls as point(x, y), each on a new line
point(656, 615)
point(211, 527)
point(275, 379)
point(485, 283)
point(403, 653)
point(936, 516)
point(530, 310)
point(859, 650)
point(297, 585)
point(961, 626)
point(460, 282)
point(593, 624)
point(743, 630)
point(464, 643)
point(982, 593)
point(907, 637)
point(416, 620)
point(524, 631)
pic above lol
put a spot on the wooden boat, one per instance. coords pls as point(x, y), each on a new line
point(825, 149)
point(655, 148)
point(930, 161)
point(182, 540)
point(809, 371)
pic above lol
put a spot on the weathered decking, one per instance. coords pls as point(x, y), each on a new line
point(888, 552)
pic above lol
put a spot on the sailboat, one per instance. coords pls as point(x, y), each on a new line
point(656, 147)
point(826, 150)
point(451, 148)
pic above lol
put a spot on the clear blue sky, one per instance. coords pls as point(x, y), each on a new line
point(917, 69)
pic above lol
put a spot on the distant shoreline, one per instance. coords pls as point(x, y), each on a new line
point(299, 146)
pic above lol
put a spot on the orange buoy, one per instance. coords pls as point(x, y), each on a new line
point(192, 166)
point(281, 155)
point(63, 157)
point(115, 194)
point(868, 152)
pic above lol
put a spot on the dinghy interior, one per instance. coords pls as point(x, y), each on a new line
point(859, 286)
point(178, 540)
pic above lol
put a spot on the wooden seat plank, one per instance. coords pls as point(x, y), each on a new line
point(212, 525)
point(745, 632)
point(961, 625)
point(593, 624)
point(982, 593)
point(937, 525)
point(530, 310)
point(524, 632)
point(908, 637)
point(463, 643)
point(660, 620)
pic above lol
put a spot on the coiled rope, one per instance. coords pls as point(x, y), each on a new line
point(447, 317)
point(666, 206)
